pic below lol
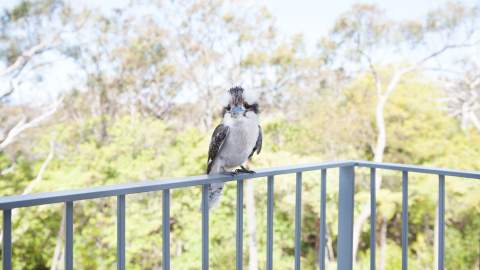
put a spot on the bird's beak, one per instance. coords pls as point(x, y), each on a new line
point(237, 110)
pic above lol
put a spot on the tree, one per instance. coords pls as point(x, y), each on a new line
point(148, 76)
point(463, 96)
point(361, 36)
point(46, 24)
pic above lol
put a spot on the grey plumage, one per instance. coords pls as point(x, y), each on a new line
point(258, 144)
point(216, 143)
point(235, 140)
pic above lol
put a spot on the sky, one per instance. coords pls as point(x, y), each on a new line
point(311, 18)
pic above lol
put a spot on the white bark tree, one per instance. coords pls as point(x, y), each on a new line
point(463, 97)
point(57, 254)
point(46, 25)
point(24, 124)
point(34, 183)
point(360, 39)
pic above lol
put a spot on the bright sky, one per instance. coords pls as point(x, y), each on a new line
point(311, 18)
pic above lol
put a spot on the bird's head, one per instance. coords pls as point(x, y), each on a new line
point(239, 102)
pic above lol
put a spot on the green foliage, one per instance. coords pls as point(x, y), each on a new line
point(21, 10)
point(129, 126)
point(147, 148)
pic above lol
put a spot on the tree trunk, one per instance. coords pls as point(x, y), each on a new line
point(378, 157)
point(328, 249)
point(474, 119)
point(104, 110)
point(378, 152)
point(381, 142)
point(383, 245)
point(58, 246)
point(252, 230)
point(330, 255)
point(34, 182)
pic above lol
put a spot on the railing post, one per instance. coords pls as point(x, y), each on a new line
point(166, 229)
point(441, 222)
point(121, 232)
point(323, 219)
point(270, 223)
point(404, 220)
point(7, 240)
point(69, 235)
point(373, 217)
point(298, 220)
point(205, 227)
point(345, 218)
point(239, 228)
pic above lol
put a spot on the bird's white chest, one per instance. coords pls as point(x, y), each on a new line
point(241, 140)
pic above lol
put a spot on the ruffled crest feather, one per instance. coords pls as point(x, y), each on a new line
point(249, 96)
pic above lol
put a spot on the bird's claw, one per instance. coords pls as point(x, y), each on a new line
point(247, 170)
point(237, 171)
point(244, 170)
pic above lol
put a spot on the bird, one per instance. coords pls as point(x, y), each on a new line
point(235, 140)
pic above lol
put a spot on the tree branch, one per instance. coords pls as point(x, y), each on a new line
point(8, 170)
point(373, 70)
point(39, 177)
point(23, 59)
point(23, 125)
point(474, 119)
point(442, 50)
point(8, 92)
point(58, 245)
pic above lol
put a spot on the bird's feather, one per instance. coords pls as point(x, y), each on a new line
point(218, 139)
point(258, 145)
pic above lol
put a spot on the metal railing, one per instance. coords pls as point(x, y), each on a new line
point(345, 210)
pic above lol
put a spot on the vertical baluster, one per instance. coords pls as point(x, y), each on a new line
point(323, 218)
point(121, 232)
point(239, 232)
point(441, 222)
point(69, 235)
point(345, 218)
point(166, 229)
point(205, 227)
point(404, 220)
point(298, 219)
point(270, 223)
point(373, 217)
point(7, 240)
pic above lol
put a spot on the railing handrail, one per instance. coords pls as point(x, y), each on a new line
point(17, 201)
point(345, 210)
point(417, 169)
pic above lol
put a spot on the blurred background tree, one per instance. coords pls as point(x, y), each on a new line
point(92, 96)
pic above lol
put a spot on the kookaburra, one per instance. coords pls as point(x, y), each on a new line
point(235, 140)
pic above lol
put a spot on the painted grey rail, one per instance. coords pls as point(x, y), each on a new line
point(345, 213)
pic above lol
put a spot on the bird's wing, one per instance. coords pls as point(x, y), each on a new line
point(258, 145)
point(219, 136)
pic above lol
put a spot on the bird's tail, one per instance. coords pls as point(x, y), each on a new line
point(214, 193)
